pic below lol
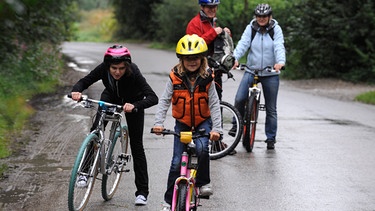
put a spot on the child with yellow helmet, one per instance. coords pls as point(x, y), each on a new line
point(195, 105)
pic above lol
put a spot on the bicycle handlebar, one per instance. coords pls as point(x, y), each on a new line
point(268, 68)
point(102, 103)
point(199, 134)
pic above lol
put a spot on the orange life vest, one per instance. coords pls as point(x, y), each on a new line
point(190, 102)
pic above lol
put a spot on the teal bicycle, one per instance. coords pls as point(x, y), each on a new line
point(102, 154)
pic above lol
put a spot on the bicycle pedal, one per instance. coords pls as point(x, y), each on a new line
point(262, 107)
point(126, 170)
point(203, 197)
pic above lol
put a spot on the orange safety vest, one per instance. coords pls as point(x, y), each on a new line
point(190, 104)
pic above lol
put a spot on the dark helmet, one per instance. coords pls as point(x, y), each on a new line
point(263, 9)
point(117, 54)
point(208, 2)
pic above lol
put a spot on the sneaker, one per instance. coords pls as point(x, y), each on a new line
point(205, 190)
point(232, 132)
point(165, 207)
point(82, 181)
point(140, 200)
point(270, 143)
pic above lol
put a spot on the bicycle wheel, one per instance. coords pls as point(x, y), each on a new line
point(251, 118)
point(85, 164)
point(115, 161)
point(181, 196)
point(230, 118)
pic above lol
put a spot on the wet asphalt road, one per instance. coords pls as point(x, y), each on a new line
point(324, 157)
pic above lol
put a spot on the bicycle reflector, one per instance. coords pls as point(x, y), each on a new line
point(185, 137)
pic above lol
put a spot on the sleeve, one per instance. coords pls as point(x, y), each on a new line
point(244, 43)
point(150, 98)
point(214, 104)
point(202, 29)
point(279, 48)
point(88, 80)
point(164, 104)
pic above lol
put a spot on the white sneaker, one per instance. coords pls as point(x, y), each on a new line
point(82, 181)
point(205, 190)
point(165, 207)
point(140, 200)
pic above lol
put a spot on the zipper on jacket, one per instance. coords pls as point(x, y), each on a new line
point(117, 90)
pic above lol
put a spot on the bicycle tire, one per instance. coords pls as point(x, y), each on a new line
point(111, 180)
point(251, 118)
point(230, 115)
point(181, 196)
point(79, 196)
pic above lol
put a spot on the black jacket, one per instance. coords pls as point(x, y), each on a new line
point(131, 88)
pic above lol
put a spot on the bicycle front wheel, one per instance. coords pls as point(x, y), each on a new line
point(251, 118)
point(84, 165)
point(115, 162)
point(232, 131)
point(181, 197)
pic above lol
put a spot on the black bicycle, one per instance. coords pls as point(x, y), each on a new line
point(252, 108)
point(230, 117)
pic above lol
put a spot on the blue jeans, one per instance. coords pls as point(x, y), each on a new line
point(270, 86)
point(203, 172)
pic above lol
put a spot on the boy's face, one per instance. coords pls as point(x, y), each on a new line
point(192, 63)
point(117, 70)
point(210, 10)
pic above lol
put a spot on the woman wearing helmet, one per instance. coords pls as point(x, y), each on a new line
point(195, 105)
point(124, 85)
point(264, 48)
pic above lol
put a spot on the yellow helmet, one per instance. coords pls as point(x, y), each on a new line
point(191, 45)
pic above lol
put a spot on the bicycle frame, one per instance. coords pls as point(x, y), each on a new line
point(188, 170)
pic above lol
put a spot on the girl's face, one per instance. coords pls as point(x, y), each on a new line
point(192, 63)
point(262, 19)
point(117, 70)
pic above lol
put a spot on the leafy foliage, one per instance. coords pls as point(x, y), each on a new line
point(332, 39)
point(30, 34)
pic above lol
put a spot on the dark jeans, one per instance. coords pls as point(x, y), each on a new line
point(135, 122)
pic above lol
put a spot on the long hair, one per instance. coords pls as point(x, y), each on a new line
point(202, 72)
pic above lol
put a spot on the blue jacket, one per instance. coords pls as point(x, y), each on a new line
point(262, 51)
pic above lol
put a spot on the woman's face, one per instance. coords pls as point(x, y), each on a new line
point(262, 19)
point(117, 70)
point(210, 10)
point(192, 63)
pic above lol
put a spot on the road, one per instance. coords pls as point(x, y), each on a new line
point(323, 160)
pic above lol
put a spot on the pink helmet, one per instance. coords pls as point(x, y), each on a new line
point(117, 54)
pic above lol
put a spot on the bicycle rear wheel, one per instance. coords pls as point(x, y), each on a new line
point(251, 118)
point(84, 165)
point(115, 161)
point(232, 131)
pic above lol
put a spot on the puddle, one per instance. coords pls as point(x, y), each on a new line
point(13, 195)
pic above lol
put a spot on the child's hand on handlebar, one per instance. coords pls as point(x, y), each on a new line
point(157, 130)
point(278, 67)
point(214, 136)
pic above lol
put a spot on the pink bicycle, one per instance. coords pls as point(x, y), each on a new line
point(186, 194)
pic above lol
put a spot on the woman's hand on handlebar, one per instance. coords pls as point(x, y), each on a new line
point(235, 65)
point(157, 129)
point(214, 136)
point(278, 67)
point(76, 96)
